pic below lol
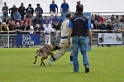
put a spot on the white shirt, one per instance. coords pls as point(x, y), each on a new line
point(48, 29)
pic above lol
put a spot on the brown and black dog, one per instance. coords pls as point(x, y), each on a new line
point(45, 52)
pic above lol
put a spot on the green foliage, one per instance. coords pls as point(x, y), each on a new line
point(106, 65)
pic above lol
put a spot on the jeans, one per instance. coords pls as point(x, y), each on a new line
point(5, 16)
point(64, 15)
point(79, 42)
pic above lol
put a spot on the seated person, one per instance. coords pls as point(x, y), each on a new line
point(26, 27)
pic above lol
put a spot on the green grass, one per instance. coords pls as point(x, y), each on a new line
point(106, 65)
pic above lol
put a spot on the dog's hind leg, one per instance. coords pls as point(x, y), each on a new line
point(35, 60)
point(42, 62)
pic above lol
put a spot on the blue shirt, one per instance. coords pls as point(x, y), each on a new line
point(88, 25)
point(53, 7)
point(64, 6)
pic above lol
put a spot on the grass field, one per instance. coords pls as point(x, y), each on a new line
point(106, 65)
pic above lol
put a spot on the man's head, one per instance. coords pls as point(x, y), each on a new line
point(68, 15)
point(79, 9)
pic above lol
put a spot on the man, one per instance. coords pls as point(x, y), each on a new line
point(53, 8)
point(5, 11)
point(64, 9)
point(39, 11)
point(12, 10)
point(63, 42)
point(30, 11)
point(80, 28)
point(56, 22)
point(79, 4)
point(22, 11)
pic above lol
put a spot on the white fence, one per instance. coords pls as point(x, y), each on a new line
point(9, 40)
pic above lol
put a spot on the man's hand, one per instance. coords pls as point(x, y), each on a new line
point(68, 41)
point(90, 43)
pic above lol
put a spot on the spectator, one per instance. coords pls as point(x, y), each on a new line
point(11, 24)
point(112, 18)
point(117, 18)
point(47, 31)
point(12, 11)
point(79, 4)
point(122, 18)
point(39, 11)
point(92, 19)
point(44, 19)
point(5, 11)
point(26, 27)
point(78, 38)
point(17, 16)
point(22, 11)
point(100, 18)
point(97, 18)
point(53, 8)
point(30, 11)
point(109, 26)
point(18, 28)
point(117, 26)
point(64, 9)
point(28, 19)
point(31, 30)
point(37, 29)
point(36, 20)
point(96, 25)
point(56, 25)
point(4, 28)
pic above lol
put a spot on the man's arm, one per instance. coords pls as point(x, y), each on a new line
point(90, 36)
point(70, 25)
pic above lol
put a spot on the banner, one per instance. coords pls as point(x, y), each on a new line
point(109, 38)
point(27, 39)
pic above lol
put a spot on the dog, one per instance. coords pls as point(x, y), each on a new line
point(45, 52)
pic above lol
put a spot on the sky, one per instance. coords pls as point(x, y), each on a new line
point(89, 5)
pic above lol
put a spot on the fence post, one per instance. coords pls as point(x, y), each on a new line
point(8, 40)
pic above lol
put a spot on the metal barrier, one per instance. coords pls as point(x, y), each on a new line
point(9, 40)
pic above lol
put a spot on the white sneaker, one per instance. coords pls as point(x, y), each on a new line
point(51, 60)
point(71, 62)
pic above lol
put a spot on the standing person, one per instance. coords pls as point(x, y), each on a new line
point(79, 4)
point(22, 11)
point(64, 9)
point(80, 28)
point(30, 11)
point(17, 16)
point(53, 8)
point(47, 31)
point(39, 11)
point(12, 10)
point(63, 42)
point(5, 11)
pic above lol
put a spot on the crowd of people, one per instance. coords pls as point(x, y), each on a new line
point(115, 23)
point(22, 19)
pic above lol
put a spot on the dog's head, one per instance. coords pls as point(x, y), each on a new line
point(54, 47)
